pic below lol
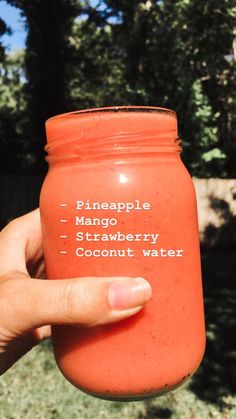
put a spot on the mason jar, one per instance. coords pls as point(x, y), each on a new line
point(118, 201)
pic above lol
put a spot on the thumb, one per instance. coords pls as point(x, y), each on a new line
point(86, 301)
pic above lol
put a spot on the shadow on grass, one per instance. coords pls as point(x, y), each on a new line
point(216, 378)
point(155, 412)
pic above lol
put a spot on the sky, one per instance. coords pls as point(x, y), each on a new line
point(11, 16)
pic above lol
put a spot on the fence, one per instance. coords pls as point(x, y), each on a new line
point(216, 205)
point(216, 212)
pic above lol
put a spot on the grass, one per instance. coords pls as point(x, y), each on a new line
point(35, 389)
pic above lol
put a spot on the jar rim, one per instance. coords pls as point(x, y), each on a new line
point(115, 109)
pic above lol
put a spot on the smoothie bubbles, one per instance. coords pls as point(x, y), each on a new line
point(118, 201)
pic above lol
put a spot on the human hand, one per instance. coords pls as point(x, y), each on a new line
point(29, 304)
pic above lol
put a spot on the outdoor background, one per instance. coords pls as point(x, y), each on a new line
point(63, 55)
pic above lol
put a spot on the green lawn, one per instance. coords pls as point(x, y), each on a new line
point(35, 389)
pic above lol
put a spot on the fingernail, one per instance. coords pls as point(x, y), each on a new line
point(129, 293)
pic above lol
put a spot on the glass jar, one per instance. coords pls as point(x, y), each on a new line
point(118, 201)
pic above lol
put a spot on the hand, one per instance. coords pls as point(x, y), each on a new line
point(29, 304)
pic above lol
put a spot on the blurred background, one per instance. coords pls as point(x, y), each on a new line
point(63, 55)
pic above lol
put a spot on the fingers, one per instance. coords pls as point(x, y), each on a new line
point(20, 346)
point(20, 242)
point(86, 301)
point(29, 303)
point(15, 351)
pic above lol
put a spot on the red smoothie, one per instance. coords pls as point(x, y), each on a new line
point(118, 201)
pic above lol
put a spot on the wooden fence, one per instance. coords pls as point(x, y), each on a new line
point(216, 205)
point(216, 212)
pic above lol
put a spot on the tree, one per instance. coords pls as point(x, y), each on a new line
point(14, 154)
point(48, 50)
point(12, 108)
point(180, 55)
point(209, 48)
point(3, 30)
point(97, 71)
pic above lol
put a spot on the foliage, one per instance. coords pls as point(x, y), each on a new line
point(14, 151)
point(12, 82)
point(97, 73)
point(208, 46)
point(172, 57)
point(3, 30)
point(146, 52)
point(48, 51)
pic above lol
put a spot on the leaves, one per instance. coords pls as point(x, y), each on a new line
point(147, 52)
